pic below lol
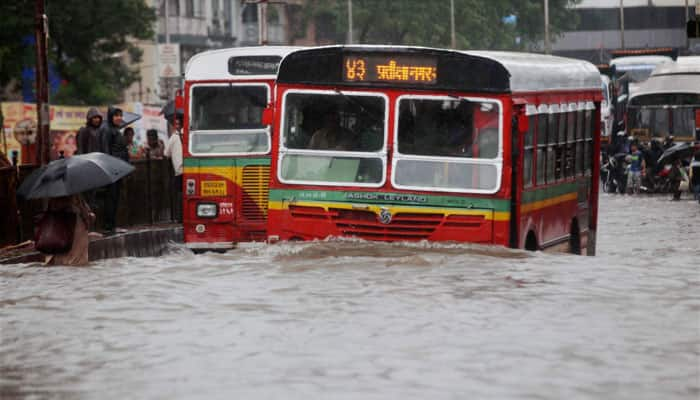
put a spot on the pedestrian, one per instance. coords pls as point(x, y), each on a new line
point(637, 169)
point(676, 176)
point(695, 176)
point(173, 150)
point(88, 136)
point(88, 142)
point(668, 142)
point(62, 232)
point(115, 144)
point(135, 151)
point(154, 146)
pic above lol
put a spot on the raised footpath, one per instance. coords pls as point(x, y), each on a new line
point(144, 241)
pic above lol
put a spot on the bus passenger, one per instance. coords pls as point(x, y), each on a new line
point(459, 132)
point(331, 135)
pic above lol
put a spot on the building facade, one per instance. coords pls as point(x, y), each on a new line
point(606, 25)
point(200, 25)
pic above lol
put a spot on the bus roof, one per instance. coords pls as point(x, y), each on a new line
point(539, 72)
point(673, 77)
point(214, 64)
point(488, 71)
point(688, 65)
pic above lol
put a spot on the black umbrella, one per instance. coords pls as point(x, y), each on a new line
point(169, 110)
point(67, 176)
point(129, 118)
point(680, 150)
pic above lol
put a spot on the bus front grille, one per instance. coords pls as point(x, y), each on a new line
point(403, 226)
point(255, 186)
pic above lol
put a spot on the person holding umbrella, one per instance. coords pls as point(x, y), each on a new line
point(62, 231)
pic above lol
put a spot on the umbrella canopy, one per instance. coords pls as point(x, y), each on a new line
point(68, 176)
point(128, 118)
point(680, 150)
point(169, 110)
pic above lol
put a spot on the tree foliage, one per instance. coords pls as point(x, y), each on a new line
point(479, 24)
point(91, 44)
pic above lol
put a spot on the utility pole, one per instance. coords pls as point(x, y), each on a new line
point(262, 22)
point(687, 18)
point(42, 83)
point(167, 17)
point(547, 44)
point(349, 21)
point(622, 24)
point(453, 40)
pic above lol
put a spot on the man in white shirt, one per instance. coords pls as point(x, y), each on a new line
point(173, 150)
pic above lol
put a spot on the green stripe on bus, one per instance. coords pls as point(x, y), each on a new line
point(549, 192)
point(224, 162)
point(390, 198)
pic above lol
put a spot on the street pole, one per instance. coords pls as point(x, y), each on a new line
point(167, 17)
point(453, 40)
point(262, 22)
point(547, 44)
point(622, 25)
point(687, 18)
point(349, 21)
point(42, 83)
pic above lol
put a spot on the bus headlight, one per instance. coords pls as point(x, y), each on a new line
point(207, 210)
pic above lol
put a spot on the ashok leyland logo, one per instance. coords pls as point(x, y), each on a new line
point(385, 216)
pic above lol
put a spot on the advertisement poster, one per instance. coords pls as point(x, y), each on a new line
point(18, 136)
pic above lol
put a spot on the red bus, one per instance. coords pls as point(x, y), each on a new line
point(406, 143)
point(226, 145)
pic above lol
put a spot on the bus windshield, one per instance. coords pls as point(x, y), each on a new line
point(448, 143)
point(227, 119)
point(333, 137)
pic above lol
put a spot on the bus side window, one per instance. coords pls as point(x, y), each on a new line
point(528, 156)
point(540, 170)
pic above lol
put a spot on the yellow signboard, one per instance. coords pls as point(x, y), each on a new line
point(213, 188)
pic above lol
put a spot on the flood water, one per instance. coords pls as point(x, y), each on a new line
point(358, 320)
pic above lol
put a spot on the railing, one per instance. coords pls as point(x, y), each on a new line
point(147, 196)
point(9, 233)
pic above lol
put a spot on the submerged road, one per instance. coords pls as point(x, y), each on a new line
point(349, 320)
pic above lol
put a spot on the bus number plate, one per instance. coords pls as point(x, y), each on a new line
point(213, 188)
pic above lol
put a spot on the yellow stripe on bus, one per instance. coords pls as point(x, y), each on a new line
point(231, 173)
point(538, 205)
point(497, 216)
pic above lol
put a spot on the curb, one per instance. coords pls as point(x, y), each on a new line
point(147, 242)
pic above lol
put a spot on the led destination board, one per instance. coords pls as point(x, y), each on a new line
point(253, 65)
point(394, 69)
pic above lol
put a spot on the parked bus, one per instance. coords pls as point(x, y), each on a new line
point(226, 145)
point(668, 103)
point(406, 143)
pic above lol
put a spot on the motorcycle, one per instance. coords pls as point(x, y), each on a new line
point(657, 181)
point(613, 174)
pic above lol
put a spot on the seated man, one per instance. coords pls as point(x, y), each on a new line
point(331, 135)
